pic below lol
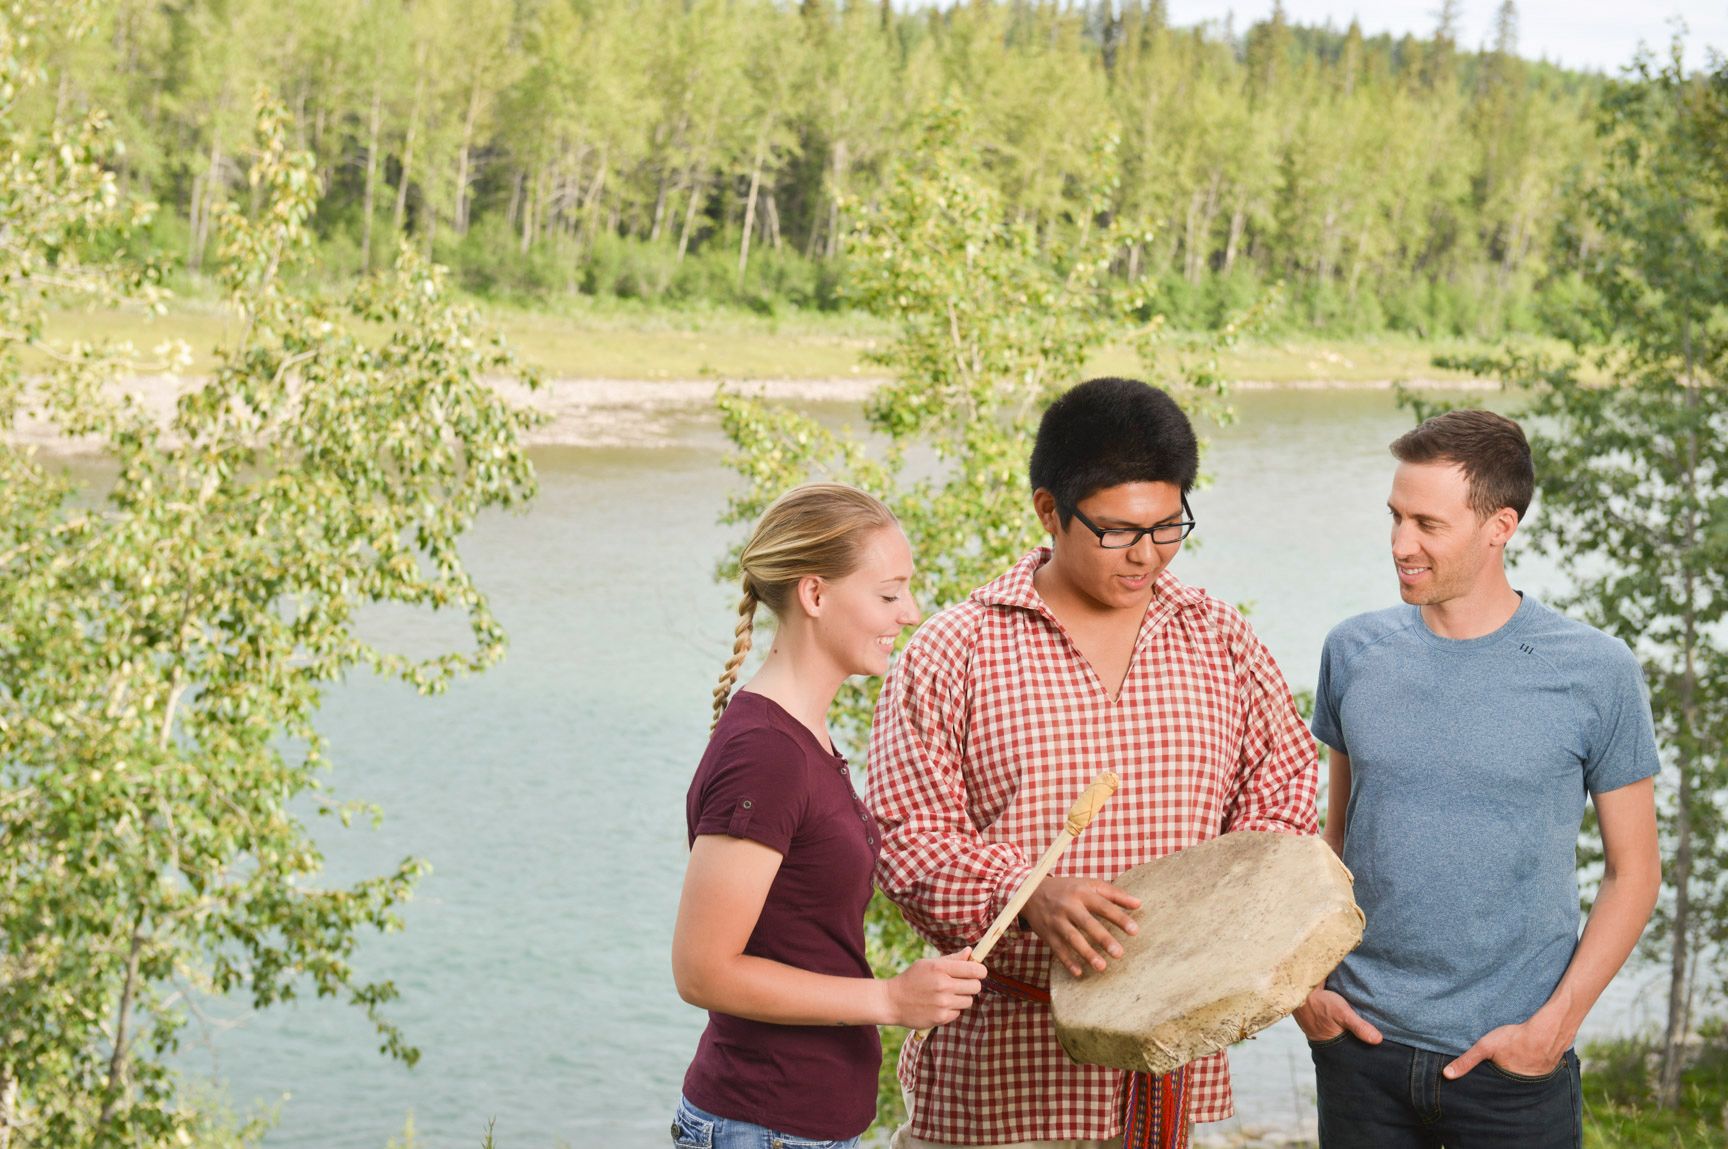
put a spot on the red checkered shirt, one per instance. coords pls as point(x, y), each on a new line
point(989, 726)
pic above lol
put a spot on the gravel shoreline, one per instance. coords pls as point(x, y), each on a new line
point(627, 412)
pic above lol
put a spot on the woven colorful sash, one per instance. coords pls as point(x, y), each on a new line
point(1157, 1116)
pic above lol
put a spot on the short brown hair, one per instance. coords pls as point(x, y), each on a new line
point(1491, 450)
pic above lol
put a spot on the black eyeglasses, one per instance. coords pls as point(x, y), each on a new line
point(1120, 539)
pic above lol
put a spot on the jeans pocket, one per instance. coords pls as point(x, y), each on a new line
point(786, 1141)
point(691, 1130)
point(1329, 1042)
point(1525, 1078)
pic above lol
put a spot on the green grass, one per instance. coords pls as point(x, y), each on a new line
point(1619, 1105)
point(1308, 359)
point(644, 344)
point(624, 342)
point(611, 343)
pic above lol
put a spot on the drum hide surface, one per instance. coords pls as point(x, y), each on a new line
point(1233, 934)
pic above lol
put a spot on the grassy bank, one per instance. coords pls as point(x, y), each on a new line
point(642, 343)
point(1620, 1109)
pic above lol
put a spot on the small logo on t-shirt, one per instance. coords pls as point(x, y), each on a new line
point(1526, 648)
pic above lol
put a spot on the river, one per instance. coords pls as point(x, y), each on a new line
point(548, 793)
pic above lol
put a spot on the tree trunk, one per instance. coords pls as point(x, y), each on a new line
point(659, 209)
point(750, 212)
point(689, 217)
point(326, 167)
point(1238, 222)
point(1190, 241)
point(1674, 1038)
point(530, 191)
point(117, 1063)
point(839, 189)
point(591, 205)
point(1680, 876)
point(462, 157)
point(192, 210)
point(1356, 263)
point(549, 193)
point(771, 220)
point(374, 125)
point(517, 191)
point(201, 202)
point(399, 214)
point(1202, 210)
point(399, 220)
point(814, 238)
point(1328, 247)
point(831, 239)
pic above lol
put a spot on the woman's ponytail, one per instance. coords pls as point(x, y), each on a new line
point(740, 648)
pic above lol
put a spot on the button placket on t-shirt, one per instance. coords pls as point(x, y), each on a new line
point(845, 772)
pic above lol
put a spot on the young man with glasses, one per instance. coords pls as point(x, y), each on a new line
point(1466, 728)
point(1087, 655)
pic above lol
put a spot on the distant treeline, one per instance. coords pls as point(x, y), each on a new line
point(682, 150)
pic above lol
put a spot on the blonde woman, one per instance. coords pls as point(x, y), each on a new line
point(770, 935)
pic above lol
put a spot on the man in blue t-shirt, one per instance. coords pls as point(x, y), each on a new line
point(1466, 728)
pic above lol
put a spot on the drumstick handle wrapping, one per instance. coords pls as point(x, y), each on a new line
point(1091, 801)
point(1080, 816)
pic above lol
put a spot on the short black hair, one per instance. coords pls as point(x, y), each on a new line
point(1107, 432)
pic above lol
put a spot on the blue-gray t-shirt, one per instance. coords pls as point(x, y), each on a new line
point(1470, 760)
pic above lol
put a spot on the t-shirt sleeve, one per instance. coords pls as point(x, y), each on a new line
point(1623, 750)
point(1327, 693)
point(1277, 773)
point(757, 790)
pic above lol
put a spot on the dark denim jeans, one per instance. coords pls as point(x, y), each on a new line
point(1390, 1096)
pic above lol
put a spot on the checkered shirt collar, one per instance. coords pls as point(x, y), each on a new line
point(1014, 588)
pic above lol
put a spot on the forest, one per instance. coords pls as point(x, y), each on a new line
point(1005, 189)
point(688, 152)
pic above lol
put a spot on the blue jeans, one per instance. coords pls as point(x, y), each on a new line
point(1390, 1096)
point(695, 1128)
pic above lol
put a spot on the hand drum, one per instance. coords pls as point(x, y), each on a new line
point(1234, 933)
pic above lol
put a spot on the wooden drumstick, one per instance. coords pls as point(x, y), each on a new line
point(1080, 816)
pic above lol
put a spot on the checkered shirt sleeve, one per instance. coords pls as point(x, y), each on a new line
point(1277, 778)
point(989, 725)
point(949, 880)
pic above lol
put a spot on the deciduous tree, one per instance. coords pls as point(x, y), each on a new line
point(989, 327)
point(169, 627)
point(1634, 480)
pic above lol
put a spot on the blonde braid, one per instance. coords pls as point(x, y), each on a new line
point(740, 647)
point(814, 530)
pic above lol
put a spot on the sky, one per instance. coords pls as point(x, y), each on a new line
point(1598, 35)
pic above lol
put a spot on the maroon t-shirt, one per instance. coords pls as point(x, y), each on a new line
point(765, 777)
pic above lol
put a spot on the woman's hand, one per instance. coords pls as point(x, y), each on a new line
point(934, 991)
point(725, 885)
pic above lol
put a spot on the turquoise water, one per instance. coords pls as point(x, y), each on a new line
point(548, 793)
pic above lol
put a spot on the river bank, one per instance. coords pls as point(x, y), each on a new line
point(616, 342)
point(547, 794)
point(618, 412)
